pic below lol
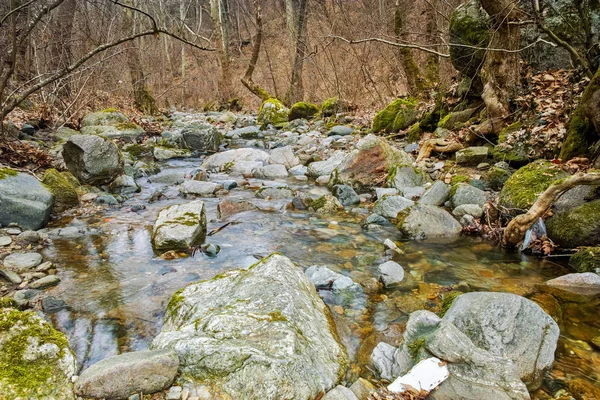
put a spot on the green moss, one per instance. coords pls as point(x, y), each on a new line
point(7, 302)
point(65, 194)
point(6, 172)
point(277, 316)
point(23, 377)
point(398, 115)
point(497, 177)
point(318, 203)
point(414, 133)
point(138, 150)
point(459, 179)
point(415, 347)
point(110, 110)
point(578, 227)
point(274, 112)
point(522, 189)
point(303, 110)
point(517, 151)
point(124, 126)
point(330, 107)
point(578, 136)
point(468, 26)
point(587, 259)
point(447, 300)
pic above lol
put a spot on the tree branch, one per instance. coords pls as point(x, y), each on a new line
point(11, 12)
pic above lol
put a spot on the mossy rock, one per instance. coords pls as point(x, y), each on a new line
point(6, 172)
point(580, 135)
point(332, 106)
point(497, 177)
point(514, 151)
point(274, 112)
point(578, 227)
point(108, 117)
point(414, 133)
point(35, 359)
point(469, 26)
point(303, 110)
point(138, 150)
point(455, 120)
point(65, 194)
point(397, 116)
point(522, 189)
point(587, 259)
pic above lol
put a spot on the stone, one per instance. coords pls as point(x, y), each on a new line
point(199, 188)
point(51, 304)
point(472, 156)
point(320, 168)
point(468, 209)
point(166, 153)
point(228, 184)
point(340, 393)
point(247, 132)
point(273, 112)
point(124, 185)
point(369, 164)
point(272, 171)
point(284, 156)
point(321, 276)
point(178, 227)
point(405, 176)
point(436, 195)
point(587, 259)
point(578, 227)
point(497, 177)
point(326, 205)
point(574, 197)
point(463, 193)
point(274, 193)
point(389, 362)
point(245, 168)
point(111, 124)
point(227, 207)
point(29, 237)
point(382, 192)
point(586, 283)
point(390, 206)
point(22, 261)
point(10, 276)
point(45, 282)
point(424, 221)
point(413, 193)
point(391, 273)
point(106, 199)
point(35, 359)
point(340, 130)
point(65, 194)
point(106, 117)
point(224, 330)
point(203, 138)
point(397, 116)
point(93, 160)
point(226, 160)
point(302, 110)
point(298, 170)
point(174, 393)
point(120, 376)
point(346, 195)
point(5, 241)
point(25, 201)
point(362, 389)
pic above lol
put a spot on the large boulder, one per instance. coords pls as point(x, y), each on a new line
point(522, 189)
point(303, 110)
point(227, 160)
point(424, 221)
point(36, 362)
point(23, 200)
point(369, 164)
point(260, 333)
point(93, 160)
point(65, 194)
point(111, 124)
point(577, 227)
point(273, 112)
point(180, 226)
point(120, 376)
point(397, 116)
point(205, 138)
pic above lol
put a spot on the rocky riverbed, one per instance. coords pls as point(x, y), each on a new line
point(372, 251)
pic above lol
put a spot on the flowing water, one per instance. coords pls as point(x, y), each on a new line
point(116, 289)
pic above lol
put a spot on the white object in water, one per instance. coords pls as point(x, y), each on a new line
point(425, 376)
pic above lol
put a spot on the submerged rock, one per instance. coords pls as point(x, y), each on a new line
point(427, 222)
point(346, 195)
point(36, 362)
point(257, 333)
point(120, 376)
point(23, 200)
point(179, 227)
point(93, 160)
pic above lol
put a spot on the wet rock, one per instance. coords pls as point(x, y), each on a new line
point(298, 170)
point(472, 155)
point(223, 328)
point(93, 160)
point(340, 130)
point(226, 160)
point(10, 276)
point(369, 164)
point(25, 201)
point(321, 276)
point(284, 156)
point(298, 203)
point(436, 195)
point(346, 195)
point(586, 283)
point(22, 262)
point(51, 304)
point(201, 137)
point(227, 208)
point(124, 185)
point(28, 237)
point(272, 171)
point(326, 205)
point(120, 376)
point(376, 219)
point(36, 361)
point(45, 282)
point(211, 250)
point(463, 193)
point(166, 153)
point(340, 393)
point(199, 188)
point(228, 184)
point(391, 273)
point(274, 193)
point(468, 209)
point(427, 222)
point(106, 199)
point(390, 206)
point(382, 192)
point(577, 227)
point(320, 168)
point(389, 362)
point(178, 227)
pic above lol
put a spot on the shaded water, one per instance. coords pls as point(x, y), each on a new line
point(117, 289)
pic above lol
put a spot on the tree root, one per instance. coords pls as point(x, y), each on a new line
point(437, 145)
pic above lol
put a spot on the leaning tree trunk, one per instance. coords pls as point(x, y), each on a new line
point(501, 69)
point(295, 91)
point(247, 80)
point(221, 23)
point(414, 79)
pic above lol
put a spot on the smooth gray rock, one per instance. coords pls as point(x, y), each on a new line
point(5, 241)
point(390, 362)
point(472, 155)
point(340, 130)
point(226, 159)
point(120, 376)
point(362, 389)
point(298, 170)
point(24, 201)
point(284, 156)
point(178, 227)
point(413, 193)
point(467, 194)
point(93, 160)
point(390, 206)
point(205, 138)
point(246, 132)
point(274, 193)
point(406, 176)
point(468, 209)
point(266, 324)
point(29, 237)
point(321, 276)
point(124, 185)
point(166, 153)
point(199, 188)
point(436, 195)
point(586, 283)
point(45, 282)
point(574, 197)
point(10, 276)
point(320, 168)
point(424, 221)
point(346, 195)
point(382, 192)
point(22, 262)
point(391, 273)
point(340, 393)
point(272, 171)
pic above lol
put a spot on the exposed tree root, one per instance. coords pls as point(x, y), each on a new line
point(438, 145)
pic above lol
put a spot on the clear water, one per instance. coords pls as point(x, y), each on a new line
point(117, 289)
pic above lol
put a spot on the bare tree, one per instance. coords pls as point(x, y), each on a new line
point(295, 91)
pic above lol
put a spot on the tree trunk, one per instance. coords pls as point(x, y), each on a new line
point(414, 80)
point(61, 43)
point(501, 70)
point(432, 73)
point(296, 89)
point(247, 79)
point(221, 23)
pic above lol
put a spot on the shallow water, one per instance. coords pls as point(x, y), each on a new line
point(117, 289)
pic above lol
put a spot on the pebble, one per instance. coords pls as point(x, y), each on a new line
point(13, 231)
point(29, 236)
point(12, 277)
point(5, 241)
point(20, 261)
point(174, 393)
point(46, 282)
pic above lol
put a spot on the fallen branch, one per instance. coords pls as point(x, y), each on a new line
point(439, 146)
point(515, 231)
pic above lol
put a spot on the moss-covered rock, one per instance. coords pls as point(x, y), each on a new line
point(35, 359)
point(513, 150)
point(110, 116)
point(398, 115)
point(303, 110)
point(586, 259)
point(326, 204)
point(496, 177)
point(522, 189)
point(332, 106)
point(578, 227)
point(469, 26)
point(455, 120)
point(5, 172)
point(274, 112)
point(414, 133)
point(65, 194)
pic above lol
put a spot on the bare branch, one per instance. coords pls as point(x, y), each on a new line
point(154, 24)
point(11, 12)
